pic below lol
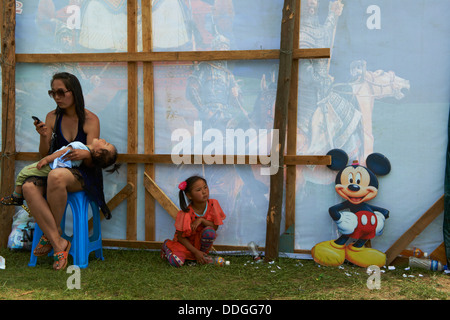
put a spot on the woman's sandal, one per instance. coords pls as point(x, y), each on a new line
point(61, 255)
point(11, 200)
point(43, 243)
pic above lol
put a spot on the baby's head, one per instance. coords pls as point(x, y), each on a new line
point(104, 154)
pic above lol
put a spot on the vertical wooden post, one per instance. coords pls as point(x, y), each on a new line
point(149, 117)
point(291, 146)
point(132, 118)
point(281, 104)
point(8, 63)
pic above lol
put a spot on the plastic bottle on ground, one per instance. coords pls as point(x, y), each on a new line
point(427, 264)
point(414, 252)
point(219, 261)
point(253, 248)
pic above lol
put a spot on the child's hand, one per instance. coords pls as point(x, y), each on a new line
point(200, 257)
point(196, 223)
point(41, 163)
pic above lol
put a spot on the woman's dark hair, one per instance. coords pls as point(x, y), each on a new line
point(104, 159)
point(189, 183)
point(73, 84)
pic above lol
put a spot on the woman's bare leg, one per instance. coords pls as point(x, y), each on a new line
point(41, 211)
point(59, 182)
point(48, 213)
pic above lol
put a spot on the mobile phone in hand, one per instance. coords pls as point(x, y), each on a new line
point(36, 119)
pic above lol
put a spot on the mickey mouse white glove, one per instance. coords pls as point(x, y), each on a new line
point(380, 225)
point(347, 223)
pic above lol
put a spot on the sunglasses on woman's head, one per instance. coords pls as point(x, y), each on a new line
point(60, 93)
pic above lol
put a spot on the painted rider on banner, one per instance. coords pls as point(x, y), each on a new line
point(214, 91)
point(327, 119)
point(336, 115)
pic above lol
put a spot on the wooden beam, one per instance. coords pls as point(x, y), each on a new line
point(439, 254)
point(291, 146)
point(8, 63)
point(149, 116)
point(116, 200)
point(156, 245)
point(435, 210)
point(117, 57)
point(167, 159)
point(134, 244)
point(121, 196)
point(160, 196)
point(281, 106)
point(132, 118)
point(307, 160)
point(289, 160)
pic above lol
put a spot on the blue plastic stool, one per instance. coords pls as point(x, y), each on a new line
point(82, 244)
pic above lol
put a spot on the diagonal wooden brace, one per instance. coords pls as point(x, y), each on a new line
point(436, 209)
point(160, 196)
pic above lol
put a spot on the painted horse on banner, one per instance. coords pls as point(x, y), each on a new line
point(371, 85)
point(344, 118)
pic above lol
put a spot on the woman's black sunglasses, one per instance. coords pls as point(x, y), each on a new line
point(60, 93)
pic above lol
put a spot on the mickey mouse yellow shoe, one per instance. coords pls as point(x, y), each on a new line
point(328, 253)
point(364, 257)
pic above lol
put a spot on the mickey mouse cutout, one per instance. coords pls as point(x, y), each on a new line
point(354, 217)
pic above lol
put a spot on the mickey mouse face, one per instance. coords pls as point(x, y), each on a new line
point(356, 185)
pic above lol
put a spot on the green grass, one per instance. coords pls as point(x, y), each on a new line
point(142, 275)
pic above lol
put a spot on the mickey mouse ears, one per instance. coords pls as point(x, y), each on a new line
point(339, 159)
point(378, 163)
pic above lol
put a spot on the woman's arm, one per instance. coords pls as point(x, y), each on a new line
point(92, 129)
point(45, 131)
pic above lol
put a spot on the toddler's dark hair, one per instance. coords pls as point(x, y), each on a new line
point(104, 159)
point(189, 183)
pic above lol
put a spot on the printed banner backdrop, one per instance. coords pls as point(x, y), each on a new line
point(385, 89)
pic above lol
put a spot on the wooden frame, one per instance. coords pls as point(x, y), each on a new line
point(132, 158)
point(8, 59)
point(149, 158)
